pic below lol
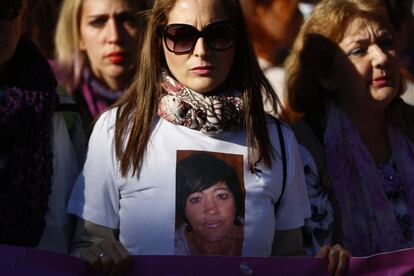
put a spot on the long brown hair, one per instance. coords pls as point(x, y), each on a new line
point(137, 108)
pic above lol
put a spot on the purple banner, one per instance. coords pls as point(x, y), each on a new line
point(26, 261)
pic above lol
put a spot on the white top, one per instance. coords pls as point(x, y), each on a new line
point(143, 208)
point(59, 226)
point(408, 95)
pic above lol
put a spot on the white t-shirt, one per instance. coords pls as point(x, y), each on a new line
point(144, 208)
point(59, 226)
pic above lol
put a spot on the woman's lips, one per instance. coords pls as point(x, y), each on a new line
point(213, 224)
point(382, 82)
point(116, 57)
point(202, 70)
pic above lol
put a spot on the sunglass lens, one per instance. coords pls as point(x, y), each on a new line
point(220, 36)
point(180, 39)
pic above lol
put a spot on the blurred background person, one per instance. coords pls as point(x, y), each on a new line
point(357, 135)
point(401, 14)
point(272, 26)
point(96, 48)
point(39, 30)
point(38, 165)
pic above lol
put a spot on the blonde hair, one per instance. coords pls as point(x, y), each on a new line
point(69, 59)
point(312, 54)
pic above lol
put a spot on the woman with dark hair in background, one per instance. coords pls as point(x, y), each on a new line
point(273, 26)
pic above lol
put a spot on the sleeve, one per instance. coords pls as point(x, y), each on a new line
point(294, 206)
point(95, 197)
point(59, 226)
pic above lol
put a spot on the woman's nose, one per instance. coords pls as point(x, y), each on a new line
point(379, 57)
point(200, 48)
point(210, 206)
point(113, 31)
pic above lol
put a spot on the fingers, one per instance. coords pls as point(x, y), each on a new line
point(323, 252)
point(338, 258)
point(89, 255)
point(125, 256)
point(333, 258)
point(109, 257)
point(343, 260)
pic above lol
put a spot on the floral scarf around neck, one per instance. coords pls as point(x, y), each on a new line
point(368, 220)
point(211, 114)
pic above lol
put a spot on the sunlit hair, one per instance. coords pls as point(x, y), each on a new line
point(70, 60)
point(313, 52)
point(137, 109)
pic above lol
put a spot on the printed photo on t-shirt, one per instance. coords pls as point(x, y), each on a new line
point(210, 203)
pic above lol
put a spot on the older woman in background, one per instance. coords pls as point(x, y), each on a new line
point(344, 82)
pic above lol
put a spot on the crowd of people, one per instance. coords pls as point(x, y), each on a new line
point(207, 127)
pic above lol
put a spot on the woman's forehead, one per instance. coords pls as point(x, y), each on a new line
point(197, 12)
point(361, 28)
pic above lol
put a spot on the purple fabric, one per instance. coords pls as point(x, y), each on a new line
point(368, 220)
point(26, 108)
point(97, 96)
point(26, 261)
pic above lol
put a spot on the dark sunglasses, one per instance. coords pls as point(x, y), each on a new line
point(182, 38)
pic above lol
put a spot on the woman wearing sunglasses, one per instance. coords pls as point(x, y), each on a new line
point(198, 88)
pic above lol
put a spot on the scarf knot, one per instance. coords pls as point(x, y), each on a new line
point(211, 114)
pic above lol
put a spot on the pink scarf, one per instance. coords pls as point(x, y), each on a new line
point(368, 221)
point(211, 114)
point(97, 96)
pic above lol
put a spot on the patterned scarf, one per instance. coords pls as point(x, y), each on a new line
point(211, 114)
point(97, 96)
point(368, 220)
point(27, 103)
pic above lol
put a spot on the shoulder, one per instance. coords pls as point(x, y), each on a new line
point(279, 129)
point(107, 120)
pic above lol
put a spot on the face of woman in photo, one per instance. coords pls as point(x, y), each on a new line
point(366, 72)
point(212, 212)
point(10, 32)
point(202, 69)
point(109, 34)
